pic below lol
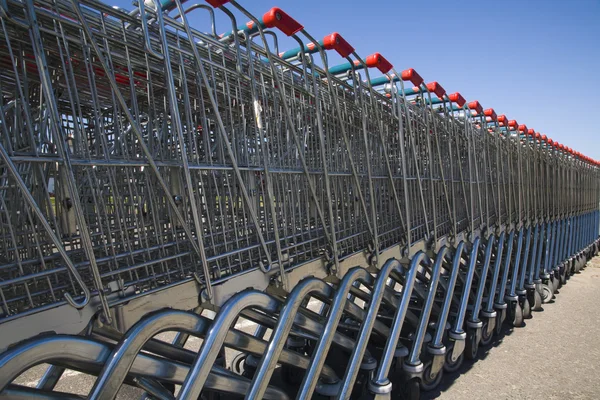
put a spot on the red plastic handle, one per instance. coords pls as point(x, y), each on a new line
point(489, 112)
point(413, 76)
point(550, 141)
point(336, 42)
point(378, 61)
point(436, 88)
point(513, 124)
point(474, 105)
point(458, 99)
point(522, 128)
point(531, 132)
point(217, 3)
point(502, 120)
point(276, 18)
point(544, 138)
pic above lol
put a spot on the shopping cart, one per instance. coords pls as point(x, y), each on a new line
point(305, 229)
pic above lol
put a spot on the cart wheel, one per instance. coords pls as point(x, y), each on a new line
point(563, 275)
point(516, 314)
point(453, 366)
point(537, 300)
point(499, 321)
point(471, 345)
point(526, 309)
point(546, 293)
point(429, 382)
point(237, 364)
point(486, 338)
point(412, 390)
point(556, 283)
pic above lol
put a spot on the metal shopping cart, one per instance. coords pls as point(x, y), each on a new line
point(202, 215)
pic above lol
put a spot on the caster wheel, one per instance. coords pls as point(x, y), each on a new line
point(471, 345)
point(453, 366)
point(237, 364)
point(526, 309)
point(537, 300)
point(546, 293)
point(429, 382)
point(516, 317)
point(555, 284)
point(486, 338)
point(499, 322)
point(550, 285)
point(563, 276)
point(412, 390)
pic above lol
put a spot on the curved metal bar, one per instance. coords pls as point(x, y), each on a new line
point(318, 359)
point(122, 357)
point(425, 313)
point(268, 362)
point(516, 267)
point(90, 355)
point(203, 7)
point(483, 280)
point(464, 301)
point(18, 392)
point(526, 266)
point(230, 311)
point(497, 266)
point(146, 33)
point(367, 325)
point(443, 317)
point(507, 260)
point(46, 349)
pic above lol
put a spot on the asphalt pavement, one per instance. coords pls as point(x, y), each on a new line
point(555, 356)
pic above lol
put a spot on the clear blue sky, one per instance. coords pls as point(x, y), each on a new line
point(537, 61)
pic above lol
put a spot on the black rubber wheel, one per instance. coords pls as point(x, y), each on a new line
point(471, 345)
point(428, 382)
point(499, 322)
point(516, 314)
point(486, 338)
point(453, 366)
point(547, 293)
point(526, 309)
point(537, 300)
point(412, 390)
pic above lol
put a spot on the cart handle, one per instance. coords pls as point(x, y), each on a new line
point(436, 88)
point(458, 99)
point(376, 60)
point(513, 124)
point(474, 105)
point(489, 112)
point(406, 75)
point(214, 3)
point(333, 41)
point(502, 119)
point(274, 18)
point(411, 75)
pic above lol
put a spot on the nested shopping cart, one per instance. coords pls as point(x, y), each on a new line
point(191, 214)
